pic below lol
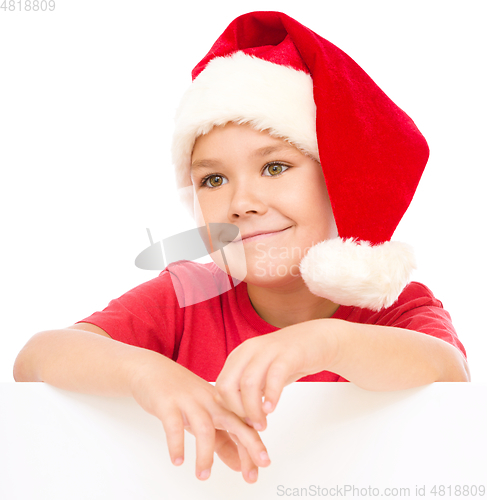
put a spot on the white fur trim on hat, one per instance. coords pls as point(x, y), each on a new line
point(245, 89)
point(354, 273)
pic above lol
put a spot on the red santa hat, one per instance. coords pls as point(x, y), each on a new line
point(273, 73)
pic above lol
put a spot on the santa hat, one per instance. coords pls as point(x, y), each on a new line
point(273, 73)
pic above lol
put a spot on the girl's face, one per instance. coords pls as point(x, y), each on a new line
point(262, 185)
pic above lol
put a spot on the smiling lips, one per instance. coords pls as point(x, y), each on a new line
point(259, 235)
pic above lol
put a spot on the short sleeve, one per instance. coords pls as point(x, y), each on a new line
point(147, 316)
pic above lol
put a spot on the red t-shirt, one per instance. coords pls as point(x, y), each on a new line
point(201, 336)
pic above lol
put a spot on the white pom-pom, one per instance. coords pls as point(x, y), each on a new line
point(355, 273)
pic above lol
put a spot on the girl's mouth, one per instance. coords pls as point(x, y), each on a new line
point(259, 235)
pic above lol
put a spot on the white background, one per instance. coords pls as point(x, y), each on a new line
point(87, 99)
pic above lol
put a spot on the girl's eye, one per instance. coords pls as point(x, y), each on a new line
point(215, 180)
point(275, 169)
point(212, 181)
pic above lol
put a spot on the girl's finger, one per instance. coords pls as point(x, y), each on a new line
point(250, 471)
point(174, 429)
point(228, 389)
point(246, 435)
point(227, 450)
point(276, 380)
point(204, 431)
point(252, 384)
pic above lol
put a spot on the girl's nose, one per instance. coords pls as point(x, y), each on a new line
point(246, 200)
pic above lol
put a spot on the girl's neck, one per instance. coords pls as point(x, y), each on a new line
point(283, 307)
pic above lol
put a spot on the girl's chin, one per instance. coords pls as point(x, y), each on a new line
point(272, 275)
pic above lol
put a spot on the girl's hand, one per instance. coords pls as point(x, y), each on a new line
point(182, 400)
point(262, 366)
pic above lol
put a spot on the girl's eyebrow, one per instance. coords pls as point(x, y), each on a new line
point(203, 164)
point(260, 152)
point(267, 150)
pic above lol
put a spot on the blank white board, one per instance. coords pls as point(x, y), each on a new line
point(324, 439)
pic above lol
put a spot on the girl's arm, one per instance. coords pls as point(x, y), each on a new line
point(384, 358)
point(84, 358)
point(377, 358)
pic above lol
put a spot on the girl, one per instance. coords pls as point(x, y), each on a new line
point(284, 137)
